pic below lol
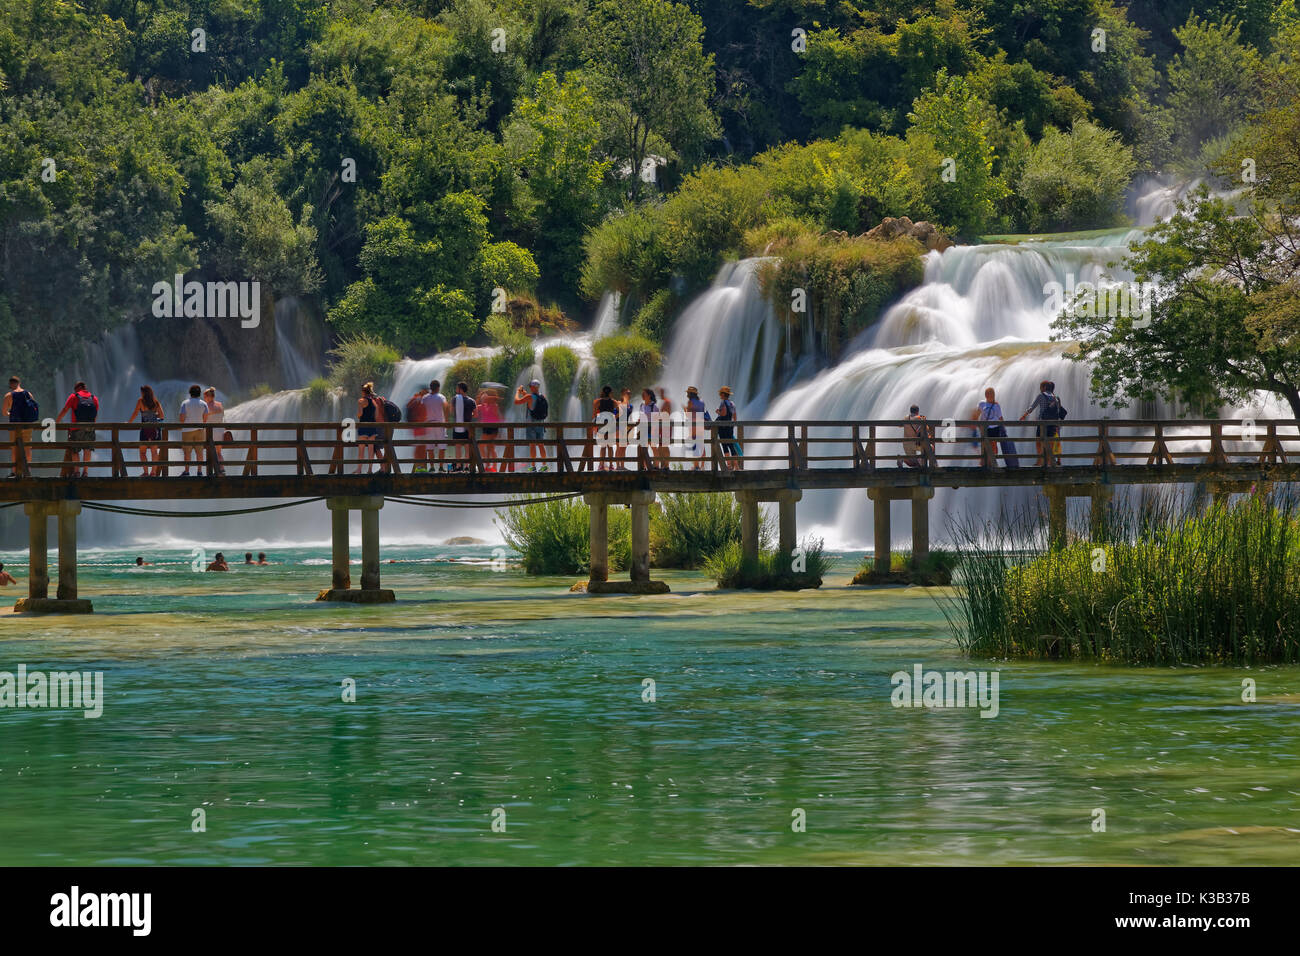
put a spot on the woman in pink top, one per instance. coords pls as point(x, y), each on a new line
point(487, 410)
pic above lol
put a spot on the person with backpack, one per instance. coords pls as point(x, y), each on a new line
point(1049, 409)
point(21, 408)
point(538, 410)
point(462, 408)
point(696, 412)
point(913, 434)
point(727, 433)
point(370, 412)
point(84, 408)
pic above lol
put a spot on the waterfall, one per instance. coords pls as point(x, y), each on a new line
point(978, 319)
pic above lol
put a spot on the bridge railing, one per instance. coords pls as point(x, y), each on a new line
point(117, 449)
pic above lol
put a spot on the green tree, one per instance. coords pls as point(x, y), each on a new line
point(1223, 326)
point(1076, 180)
point(552, 139)
point(649, 71)
point(1213, 82)
point(951, 129)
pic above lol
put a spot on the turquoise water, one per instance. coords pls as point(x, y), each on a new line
point(483, 689)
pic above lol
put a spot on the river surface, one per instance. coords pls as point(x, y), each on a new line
point(484, 689)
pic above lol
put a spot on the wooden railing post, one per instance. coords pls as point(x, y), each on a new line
point(715, 448)
point(475, 459)
point(1105, 457)
point(250, 460)
point(871, 448)
point(1217, 455)
point(563, 463)
point(119, 463)
point(336, 458)
point(988, 458)
point(1159, 450)
point(792, 449)
point(210, 450)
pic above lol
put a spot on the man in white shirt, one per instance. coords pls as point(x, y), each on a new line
point(194, 411)
point(435, 433)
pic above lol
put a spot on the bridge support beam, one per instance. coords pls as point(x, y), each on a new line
point(748, 502)
point(38, 583)
point(340, 588)
point(1058, 497)
point(920, 497)
point(787, 530)
point(639, 574)
point(786, 499)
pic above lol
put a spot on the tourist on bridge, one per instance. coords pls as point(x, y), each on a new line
point(84, 408)
point(606, 410)
point(990, 410)
point(216, 414)
point(370, 412)
point(21, 409)
point(538, 408)
point(726, 412)
point(194, 411)
point(695, 412)
point(913, 434)
point(150, 411)
point(416, 412)
point(1049, 409)
point(648, 426)
point(462, 413)
point(487, 410)
point(435, 435)
point(665, 449)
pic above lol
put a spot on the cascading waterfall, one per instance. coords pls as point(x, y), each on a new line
point(978, 319)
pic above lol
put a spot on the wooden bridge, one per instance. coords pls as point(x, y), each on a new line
point(617, 462)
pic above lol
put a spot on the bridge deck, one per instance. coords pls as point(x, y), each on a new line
point(279, 460)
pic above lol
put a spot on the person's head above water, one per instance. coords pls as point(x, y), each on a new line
point(139, 560)
point(248, 557)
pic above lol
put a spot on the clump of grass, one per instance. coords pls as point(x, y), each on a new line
point(559, 366)
point(359, 359)
point(554, 537)
point(771, 570)
point(628, 361)
point(318, 399)
point(471, 371)
point(686, 529)
point(935, 569)
point(1163, 584)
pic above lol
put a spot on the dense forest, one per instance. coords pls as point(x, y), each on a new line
point(400, 161)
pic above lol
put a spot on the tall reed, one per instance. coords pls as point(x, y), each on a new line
point(1162, 583)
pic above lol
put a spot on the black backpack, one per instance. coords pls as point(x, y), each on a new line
point(541, 408)
point(391, 412)
point(85, 410)
point(1052, 409)
point(23, 407)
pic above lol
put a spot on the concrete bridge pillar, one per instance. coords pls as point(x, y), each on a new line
point(787, 531)
point(748, 502)
point(881, 541)
point(921, 524)
point(370, 591)
point(639, 574)
point(1099, 512)
point(38, 583)
point(1056, 525)
point(599, 527)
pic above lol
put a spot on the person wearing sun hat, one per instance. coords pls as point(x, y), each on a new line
point(694, 410)
point(727, 433)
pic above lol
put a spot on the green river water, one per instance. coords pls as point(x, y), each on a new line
point(484, 689)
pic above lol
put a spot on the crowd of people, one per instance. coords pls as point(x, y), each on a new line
point(442, 434)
